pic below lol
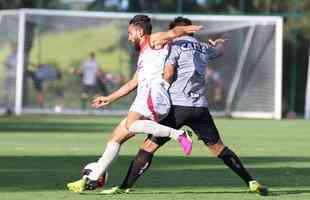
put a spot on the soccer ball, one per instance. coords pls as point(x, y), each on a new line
point(102, 179)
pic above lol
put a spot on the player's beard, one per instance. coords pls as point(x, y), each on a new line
point(137, 46)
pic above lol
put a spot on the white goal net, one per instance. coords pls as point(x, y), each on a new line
point(50, 46)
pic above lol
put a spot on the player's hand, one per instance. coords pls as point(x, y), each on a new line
point(101, 101)
point(217, 41)
point(192, 28)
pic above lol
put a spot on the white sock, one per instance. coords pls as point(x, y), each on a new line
point(158, 130)
point(110, 153)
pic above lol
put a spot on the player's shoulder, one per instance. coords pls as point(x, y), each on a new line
point(187, 43)
point(184, 40)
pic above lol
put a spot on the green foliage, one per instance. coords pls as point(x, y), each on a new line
point(13, 4)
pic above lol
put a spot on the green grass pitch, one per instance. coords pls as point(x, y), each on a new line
point(40, 154)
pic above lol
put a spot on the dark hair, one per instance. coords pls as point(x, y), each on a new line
point(180, 21)
point(142, 21)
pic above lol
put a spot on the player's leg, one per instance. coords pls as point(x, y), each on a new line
point(84, 96)
point(144, 157)
point(231, 159)
point(208, 132)
point(151, 127)
point(158, 130)
point(155, 105)
point(136, 123)
point(138, 166)
point(142, 161)
point(120, 135)
point(40, 93)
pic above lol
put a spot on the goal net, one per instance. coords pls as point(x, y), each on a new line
point(8, 52)
point(53, 45)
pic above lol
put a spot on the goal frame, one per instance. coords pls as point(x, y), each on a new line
point(307, 94)
point(276, 114)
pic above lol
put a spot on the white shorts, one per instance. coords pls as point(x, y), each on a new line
point(152, 102)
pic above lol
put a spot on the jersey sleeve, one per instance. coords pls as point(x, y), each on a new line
point(174, 54)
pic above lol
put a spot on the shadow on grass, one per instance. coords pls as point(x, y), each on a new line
point(56, 127)
point(137, 192)
point(52, 173)
point(47, 123)
point(288, 192)
point(271, 193)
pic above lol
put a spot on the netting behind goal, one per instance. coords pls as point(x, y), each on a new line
point(245, 81)
point(8, 59)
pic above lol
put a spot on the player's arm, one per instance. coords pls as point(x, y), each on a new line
point(157, 40)
point(122, 91)
point(77, 70)
point(172, 62)
point(216, 47)
point(169, 71)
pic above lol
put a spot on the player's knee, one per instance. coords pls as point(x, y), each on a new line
point(131, 124)
point(120, 138)
point(216, 148)
point(149, 146)
point(136, 126)
point(127, 124)
point(120, 134)
point(132, 119)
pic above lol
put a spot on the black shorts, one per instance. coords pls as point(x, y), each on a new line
point(197, 118)
point(89, 90)
point(38, 85)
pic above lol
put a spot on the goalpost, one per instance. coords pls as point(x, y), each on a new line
point(248, 75)
point(307, 100)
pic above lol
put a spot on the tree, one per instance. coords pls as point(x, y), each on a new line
point(16, 4)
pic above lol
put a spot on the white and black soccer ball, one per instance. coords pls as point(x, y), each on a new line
point(100, 182)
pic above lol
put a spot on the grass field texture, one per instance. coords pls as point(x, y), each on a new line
point(40, 154)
